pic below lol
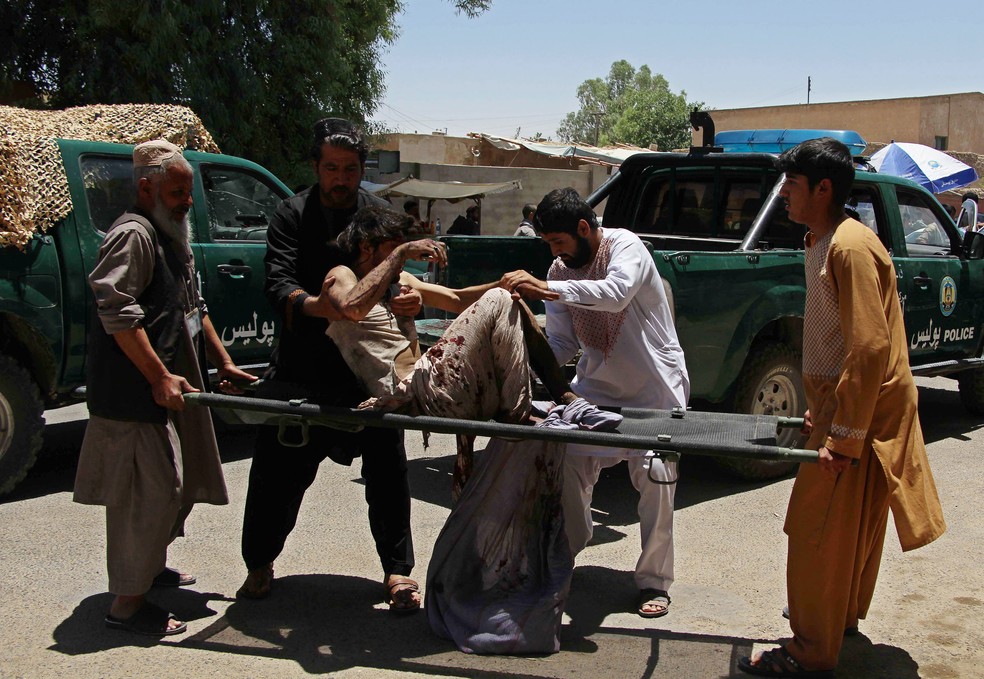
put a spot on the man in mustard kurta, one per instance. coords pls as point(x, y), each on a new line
point(862, 404)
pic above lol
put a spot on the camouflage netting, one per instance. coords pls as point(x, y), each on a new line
point(34, 192)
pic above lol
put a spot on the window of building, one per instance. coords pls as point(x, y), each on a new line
point(940, 143)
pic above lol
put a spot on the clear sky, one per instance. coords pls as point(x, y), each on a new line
point(519, 64)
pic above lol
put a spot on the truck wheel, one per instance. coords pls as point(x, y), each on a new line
point(972, 390)
point(770, 383)
point(21, 423)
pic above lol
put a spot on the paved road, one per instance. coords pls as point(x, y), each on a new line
point(325, 618)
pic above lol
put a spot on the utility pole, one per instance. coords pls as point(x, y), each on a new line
point(809, 86)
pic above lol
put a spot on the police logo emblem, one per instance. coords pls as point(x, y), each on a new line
point(948, 295)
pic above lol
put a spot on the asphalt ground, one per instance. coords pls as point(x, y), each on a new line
point(327, 617)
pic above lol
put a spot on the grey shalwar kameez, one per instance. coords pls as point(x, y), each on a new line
point(146, 475)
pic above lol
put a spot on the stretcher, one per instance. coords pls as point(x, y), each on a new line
point(669, 433)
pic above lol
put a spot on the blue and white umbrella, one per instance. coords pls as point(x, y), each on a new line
point(931, 169)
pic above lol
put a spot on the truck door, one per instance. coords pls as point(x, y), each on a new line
point(100, 179)
point(233, 205)
point(934, 282)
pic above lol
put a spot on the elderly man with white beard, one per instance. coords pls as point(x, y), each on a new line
point(146, 457)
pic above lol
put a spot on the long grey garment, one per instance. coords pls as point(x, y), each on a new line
point(501, 569)
point(109, 473)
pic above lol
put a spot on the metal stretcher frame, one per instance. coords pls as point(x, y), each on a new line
point(667, 432)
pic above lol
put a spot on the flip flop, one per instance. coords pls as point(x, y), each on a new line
point(654, 597)
point(149, 620)
point(778, 663)
point(401, 596)
point(172, 578)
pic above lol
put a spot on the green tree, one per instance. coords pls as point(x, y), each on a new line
point(257, 72)
point(629, 106)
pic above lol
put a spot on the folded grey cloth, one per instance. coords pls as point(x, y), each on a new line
point(581, 415)
point(555, 420)
point(591, 417)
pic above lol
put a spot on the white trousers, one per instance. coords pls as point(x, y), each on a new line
point(654, 570)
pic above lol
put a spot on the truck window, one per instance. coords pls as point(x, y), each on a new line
point(924, 230)
point(240, 204)
point(109, 192)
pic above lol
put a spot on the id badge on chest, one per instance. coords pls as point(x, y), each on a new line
point(193, 320)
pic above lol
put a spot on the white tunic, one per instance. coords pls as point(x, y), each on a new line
point(644, 366)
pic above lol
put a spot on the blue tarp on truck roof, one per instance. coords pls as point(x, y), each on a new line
point(777, 141)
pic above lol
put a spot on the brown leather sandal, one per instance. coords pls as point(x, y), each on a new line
point(401, 595)
point(258, 583)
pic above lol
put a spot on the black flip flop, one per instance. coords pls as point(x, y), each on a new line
point(778, 663)
point(150, 621)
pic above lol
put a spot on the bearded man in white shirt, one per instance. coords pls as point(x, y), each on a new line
point(604, 297)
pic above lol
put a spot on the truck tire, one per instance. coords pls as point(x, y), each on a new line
point(770, 383)
point(972, 390)
point(21, 423)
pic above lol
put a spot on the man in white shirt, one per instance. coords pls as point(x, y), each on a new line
point(605, 298)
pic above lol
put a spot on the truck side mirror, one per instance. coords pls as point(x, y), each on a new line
point(973, 245)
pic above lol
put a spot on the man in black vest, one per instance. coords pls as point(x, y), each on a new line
point(144, 456)
point(300, 251)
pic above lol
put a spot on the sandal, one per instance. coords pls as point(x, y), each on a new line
point(401, 595)
point(172, 578)
point(149, 620)
point(258, 583)
point(654, 598)
point(778, 663)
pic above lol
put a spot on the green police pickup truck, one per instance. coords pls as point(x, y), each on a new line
point(45, 301)
point(733, 263)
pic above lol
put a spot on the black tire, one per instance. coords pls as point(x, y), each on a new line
point(770, 383)
point(21, 423)
point(972, 390)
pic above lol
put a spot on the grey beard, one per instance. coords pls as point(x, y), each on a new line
point(179, 231)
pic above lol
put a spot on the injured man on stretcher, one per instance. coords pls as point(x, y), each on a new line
point(499, 575)
point(478, 370)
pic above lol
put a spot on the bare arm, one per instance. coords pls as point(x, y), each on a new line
point(353, 297)
point(447, 299)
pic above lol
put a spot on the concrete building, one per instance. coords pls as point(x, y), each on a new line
point(949, 122)
point(439, 157)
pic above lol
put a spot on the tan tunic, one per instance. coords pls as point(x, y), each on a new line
point(856, 374)
point(380, 349)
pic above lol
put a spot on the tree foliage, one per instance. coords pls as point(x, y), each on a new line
point(629, 106)
point(257, 72)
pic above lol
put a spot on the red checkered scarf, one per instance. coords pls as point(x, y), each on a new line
point(597, 330)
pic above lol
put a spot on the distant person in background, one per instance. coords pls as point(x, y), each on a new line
point(412, 208)
point(526, 226)
point(466, 225)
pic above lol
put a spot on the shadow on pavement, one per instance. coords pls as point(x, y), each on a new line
point(326, 624)
point(85, 631)
point(943, 416)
